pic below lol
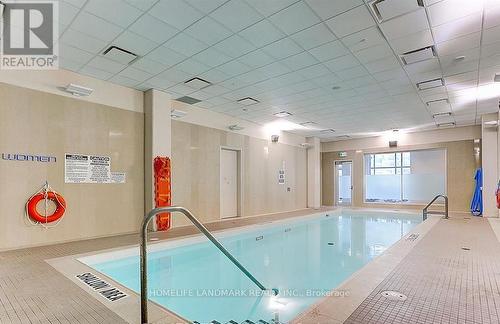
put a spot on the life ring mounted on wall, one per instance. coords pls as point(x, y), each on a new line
point(45, 194)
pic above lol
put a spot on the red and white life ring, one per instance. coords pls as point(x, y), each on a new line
point(55, 197)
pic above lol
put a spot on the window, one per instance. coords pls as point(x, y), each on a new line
point(414, 177)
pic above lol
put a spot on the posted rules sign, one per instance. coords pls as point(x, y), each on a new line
point(80, 168)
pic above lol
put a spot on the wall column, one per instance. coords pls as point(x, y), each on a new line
point(157, 137)
point(314, 173)
point(489, 151)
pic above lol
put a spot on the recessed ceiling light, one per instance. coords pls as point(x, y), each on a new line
point(437, 102)
point(176, 113)
point(343, 137)
point(429, 84)
point(388, 9)
point(197, 83)
point(419, 55)
point(309, 123)
point(188, 100)
point(444, 114)
point(78, 90)
point(248, 101)
point(446, 124)
point(328, 131)
point(335, 87)
point(282, 114)
point(497, 77)
point(236, 127)
point(119, 55)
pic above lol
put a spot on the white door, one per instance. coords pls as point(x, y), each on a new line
point(343, 183)
point(229, 183)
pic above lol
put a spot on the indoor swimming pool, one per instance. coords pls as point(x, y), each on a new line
point(304, 258)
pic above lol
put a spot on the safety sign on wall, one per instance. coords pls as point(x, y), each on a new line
point(80, 168)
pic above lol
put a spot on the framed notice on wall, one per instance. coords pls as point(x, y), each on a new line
point(79, 168)
point(281, 176)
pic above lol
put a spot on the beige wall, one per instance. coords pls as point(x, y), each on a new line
point(195, 172)
point(36, 122)
point(461, 166)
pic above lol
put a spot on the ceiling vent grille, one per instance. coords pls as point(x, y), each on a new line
point(419, 55)
point(429, 84)
point(188, 100)
point(248, 101)
point(197, 83)
point(120, 55)
point(388, 9)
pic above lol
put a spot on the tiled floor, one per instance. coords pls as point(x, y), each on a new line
point(31, 291)
point(451, 276)
point(444, 283)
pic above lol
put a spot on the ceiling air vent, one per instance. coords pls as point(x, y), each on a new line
point(119, 55)
point(388, 9)
point(446, 124)
point(197, 83)
point(188, 100)
point(248, 101)
point(282, 114)
point(328, 131)
point(429, 84)
point(418, 55)
point(440, 106)
point(176, 113)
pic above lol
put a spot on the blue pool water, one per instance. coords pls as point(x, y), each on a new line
point(304, 259)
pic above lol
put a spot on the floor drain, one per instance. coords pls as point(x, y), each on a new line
point(393, 295)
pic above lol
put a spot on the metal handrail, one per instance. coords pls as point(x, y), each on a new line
point(445, 213)
point(204, 230)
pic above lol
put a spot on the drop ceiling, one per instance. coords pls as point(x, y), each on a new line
point(333, 64)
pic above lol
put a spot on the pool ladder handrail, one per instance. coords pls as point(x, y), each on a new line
point(426, 211)
point(204, 230)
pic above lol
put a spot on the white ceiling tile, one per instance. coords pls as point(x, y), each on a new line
point(423, 66)
point(329, 51)
point(182, 89)
point(329, 8)
point(83, 41)
point(404, 25)
point(373, 53)
point(341, 63)
point(294, 18)
point(206, 6)
point(236, 15)
point(412, 42)
point(363, 39)
point(76, 3)
point(351, 21)
point(94, 26)
point(134, 43)
point(166, 56)
point(262, 33)
point(212, 57)
point(457, 28)
point(492, 16)
point(153, 29)
point(74, 53)
point(148, 65)
point(176, 13)
point(115, 11)
point(184, 44)
point(491, 35)
point(387, 63)
point(460, 67)
point(313, 36)
point(95, 73)
point(104, 64)
point(458, 78)
point(208, 31)
point(214, 76)
point(256, 59)
point(267, 8)
point(351, 73)
point(469, 55)
point(143, 5)
point(192, 67)
point(459, 44)
point(490, 50)
point(449, 10)
point(314, 71)
point(233, 68)
point(159, 82)
point(135, 74)
point(282, 48)
point(235, 46)
point(67, 13)
point(68, 64)
point(299, 61)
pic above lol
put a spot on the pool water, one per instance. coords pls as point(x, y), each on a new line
point(304, 259)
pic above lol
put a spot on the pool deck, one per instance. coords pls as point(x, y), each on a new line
point(443, 282)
